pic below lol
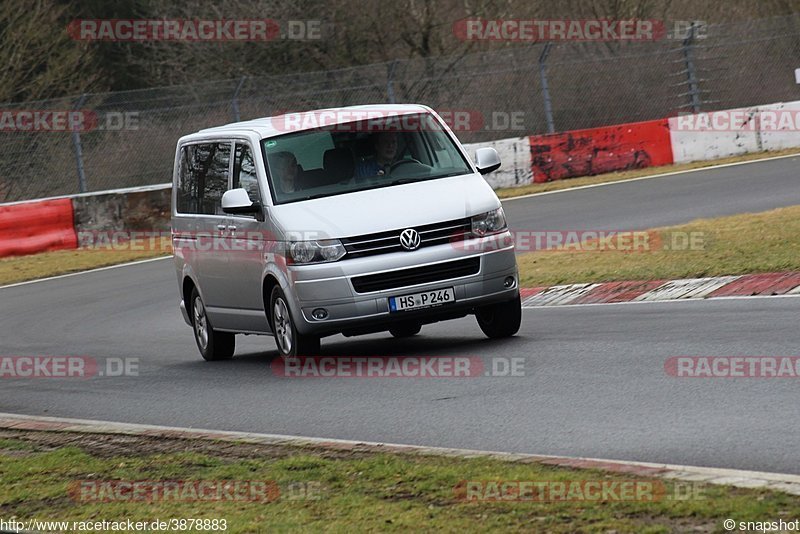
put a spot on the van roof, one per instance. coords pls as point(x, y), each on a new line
point(305, 120)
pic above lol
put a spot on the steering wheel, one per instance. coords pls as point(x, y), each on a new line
point(397, 164)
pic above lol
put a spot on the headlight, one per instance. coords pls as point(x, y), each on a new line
point(491, 222)
point(300, 252)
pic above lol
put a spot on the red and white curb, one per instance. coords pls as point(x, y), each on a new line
point(727, 477)
point(747, 285)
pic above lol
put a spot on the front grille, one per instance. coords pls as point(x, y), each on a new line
point(385, 242)
point(416, 275)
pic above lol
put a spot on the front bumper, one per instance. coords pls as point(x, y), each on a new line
point(350, 312)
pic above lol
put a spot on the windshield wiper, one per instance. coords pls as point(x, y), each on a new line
point(449, 175)
point(401, 181)
point(312, 197)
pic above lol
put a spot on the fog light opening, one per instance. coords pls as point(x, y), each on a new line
point(320, 314)
point(509, 282)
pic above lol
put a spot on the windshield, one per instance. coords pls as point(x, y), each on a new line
point(354, 156)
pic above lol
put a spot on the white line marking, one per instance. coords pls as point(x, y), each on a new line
point(711, 299)
point(650, 176)
point(713, 473)
point(137, 262)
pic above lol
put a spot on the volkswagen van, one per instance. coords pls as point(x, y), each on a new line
point(345, 221)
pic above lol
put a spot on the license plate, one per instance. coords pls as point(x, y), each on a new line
point(426, 299)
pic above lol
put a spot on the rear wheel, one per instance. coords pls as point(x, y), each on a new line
point(290, 342)
point(213, 344)
point(500, 320)
point(405, 329)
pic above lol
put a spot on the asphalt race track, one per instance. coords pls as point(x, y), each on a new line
point(594, 382)
point(663, 201)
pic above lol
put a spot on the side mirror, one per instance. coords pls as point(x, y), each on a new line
point(237, 202)
point(487, 160)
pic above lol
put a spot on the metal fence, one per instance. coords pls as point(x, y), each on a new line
point(541, 87)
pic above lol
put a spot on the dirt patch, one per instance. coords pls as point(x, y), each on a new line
point(111, 445)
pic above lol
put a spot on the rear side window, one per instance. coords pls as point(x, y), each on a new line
point(203, 175)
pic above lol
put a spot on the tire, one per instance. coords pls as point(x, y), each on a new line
point(213, 344)
point(500, 320)
point(405, 330)
point(289, 341)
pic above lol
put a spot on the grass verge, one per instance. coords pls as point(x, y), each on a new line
point(341, 491)
point(21, 268)
point(738, 244)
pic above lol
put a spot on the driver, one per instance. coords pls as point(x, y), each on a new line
point(385, 144)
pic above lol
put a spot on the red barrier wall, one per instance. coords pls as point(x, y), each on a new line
point(598, 150)
point(39, 226)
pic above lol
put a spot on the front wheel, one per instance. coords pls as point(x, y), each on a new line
point(290, 342)
point(500, 320)
point(213, 345)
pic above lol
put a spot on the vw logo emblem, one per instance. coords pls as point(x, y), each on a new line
point(410, 239)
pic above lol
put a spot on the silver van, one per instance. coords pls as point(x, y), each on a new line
point(340, 221)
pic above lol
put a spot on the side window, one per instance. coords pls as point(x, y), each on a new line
point(187, 200)
point(203, 178)
point(244, 172)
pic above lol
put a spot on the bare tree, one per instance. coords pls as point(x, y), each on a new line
point(39, 58)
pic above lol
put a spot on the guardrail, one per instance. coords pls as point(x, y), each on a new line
point(38, 226)
point(680, 139)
